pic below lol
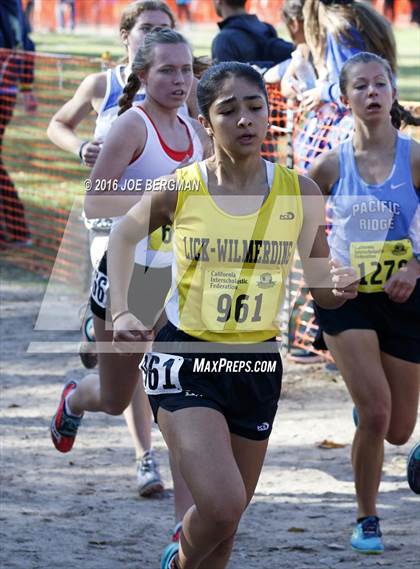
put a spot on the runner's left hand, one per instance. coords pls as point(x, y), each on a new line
point(400, 286)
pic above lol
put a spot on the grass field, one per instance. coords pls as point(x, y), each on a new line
point(96, 43)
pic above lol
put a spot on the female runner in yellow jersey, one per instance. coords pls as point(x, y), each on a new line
point(214, 375)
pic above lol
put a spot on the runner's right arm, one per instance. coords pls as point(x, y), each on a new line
point(155, 209)
point(325, 171)
point(330, 283)
point(62, 128)
point(124, 143)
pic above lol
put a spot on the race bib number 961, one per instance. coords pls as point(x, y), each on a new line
point(161, 373)
point(240, 300)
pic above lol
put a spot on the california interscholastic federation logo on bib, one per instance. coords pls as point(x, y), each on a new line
point(399, 249)
point(266, 281)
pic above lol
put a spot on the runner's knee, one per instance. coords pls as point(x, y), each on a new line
point(225, 514)
point(376, 419)
point(111, 407)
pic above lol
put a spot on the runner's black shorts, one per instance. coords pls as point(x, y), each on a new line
point(247, 398)
point(397, 325)
point(146, 295)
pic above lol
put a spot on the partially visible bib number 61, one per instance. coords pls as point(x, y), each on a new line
point(161, 373)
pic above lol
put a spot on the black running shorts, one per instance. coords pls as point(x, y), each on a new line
point(146, 295)
point(397, 325)
point(245, 387)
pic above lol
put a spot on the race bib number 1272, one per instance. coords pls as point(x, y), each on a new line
point(377, 261)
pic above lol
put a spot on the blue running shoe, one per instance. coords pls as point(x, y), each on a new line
point(367, 535)
point(168, 555)
point(301, 356)
point(413, 469)
point(355, 417)
point(331, 367)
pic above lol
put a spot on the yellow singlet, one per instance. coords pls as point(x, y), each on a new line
point(229, 272)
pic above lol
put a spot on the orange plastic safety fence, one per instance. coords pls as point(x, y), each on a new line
point(277, 145)
point(101, 13)
point(38, 181)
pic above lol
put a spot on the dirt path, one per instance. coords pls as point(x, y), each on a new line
point(81, 509)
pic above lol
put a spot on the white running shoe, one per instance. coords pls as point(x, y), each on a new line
point(149, 481)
